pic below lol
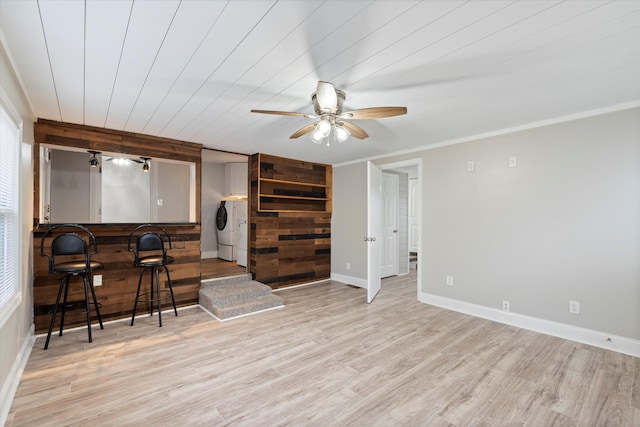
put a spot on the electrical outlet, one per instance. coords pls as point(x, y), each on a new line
point(348, 266)
point(449, 280)
point(471, 166)
point(513, 161)
point(574, 307)
point(506, 306)
point(97, 280)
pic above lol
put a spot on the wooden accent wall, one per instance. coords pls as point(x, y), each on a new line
point(289, 237)
point(120, 278)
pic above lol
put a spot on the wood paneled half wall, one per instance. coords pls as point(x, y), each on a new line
point(119, 276)
point(290, 220)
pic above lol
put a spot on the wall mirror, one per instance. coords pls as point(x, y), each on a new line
point(90, 187)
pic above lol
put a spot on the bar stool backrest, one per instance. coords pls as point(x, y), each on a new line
point(151, 239)
point(69, 243)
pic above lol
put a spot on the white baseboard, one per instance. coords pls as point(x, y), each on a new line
point(561, 330)
point(8, 390)
point(350, 280)
point(208, 254)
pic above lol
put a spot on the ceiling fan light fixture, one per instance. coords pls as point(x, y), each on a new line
point(324, 128)
point(120, 161)
point(328, 103)
point(317, 137)
point(341, 133)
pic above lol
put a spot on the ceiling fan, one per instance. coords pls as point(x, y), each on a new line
point(122, 159)
point(327, 104)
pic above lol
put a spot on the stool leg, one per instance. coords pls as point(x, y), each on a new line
point(64, 303)
point(151, 301)
point(156, 271)
point(135, 304)
point(85, 283)
point(173, 301)
point(54, 312)
point(95, 300)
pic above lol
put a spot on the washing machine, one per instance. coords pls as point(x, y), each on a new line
point(230, 214)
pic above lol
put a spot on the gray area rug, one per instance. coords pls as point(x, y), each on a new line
point(230, 297)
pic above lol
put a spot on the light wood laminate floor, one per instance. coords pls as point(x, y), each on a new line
point(326, 359)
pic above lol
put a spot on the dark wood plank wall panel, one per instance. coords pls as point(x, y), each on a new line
point(119, 277)
point(288, 248)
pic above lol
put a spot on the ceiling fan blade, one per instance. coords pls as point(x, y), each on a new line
point(327, 97)
point(356, 131)
point(285, 113)
point(374, 113)
point(304, 130)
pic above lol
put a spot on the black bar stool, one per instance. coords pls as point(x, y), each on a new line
point(148, 239)
point(75, 246)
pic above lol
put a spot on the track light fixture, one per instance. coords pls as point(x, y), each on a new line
point(145, 165)
point(93, 161)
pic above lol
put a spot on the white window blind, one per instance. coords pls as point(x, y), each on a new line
point(9, 211)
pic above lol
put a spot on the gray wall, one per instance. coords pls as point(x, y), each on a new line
point(16, 334)
point(563, 225)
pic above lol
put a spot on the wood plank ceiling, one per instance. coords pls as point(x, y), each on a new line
point(192, 70)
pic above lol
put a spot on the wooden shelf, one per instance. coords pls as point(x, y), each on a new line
point(282, 181)
point(290, 211)
point(290, 215)
point(286, 185)
point(278, 196)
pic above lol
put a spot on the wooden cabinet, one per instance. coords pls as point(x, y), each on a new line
point(286, 185)
point(290, 220)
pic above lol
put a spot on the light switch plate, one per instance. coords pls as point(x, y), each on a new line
point(513, 161)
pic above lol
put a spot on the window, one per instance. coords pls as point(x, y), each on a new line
point(9, 214)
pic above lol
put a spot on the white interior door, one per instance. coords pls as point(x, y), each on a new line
point(374, 222)
point(389, 259)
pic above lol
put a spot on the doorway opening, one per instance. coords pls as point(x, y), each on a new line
point(400, 252)
point(224, 214)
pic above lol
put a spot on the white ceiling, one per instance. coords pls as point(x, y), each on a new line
point(192, 70)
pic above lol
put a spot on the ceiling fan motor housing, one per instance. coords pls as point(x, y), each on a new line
point(340, 96)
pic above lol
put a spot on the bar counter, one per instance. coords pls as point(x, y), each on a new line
point(119, 277)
